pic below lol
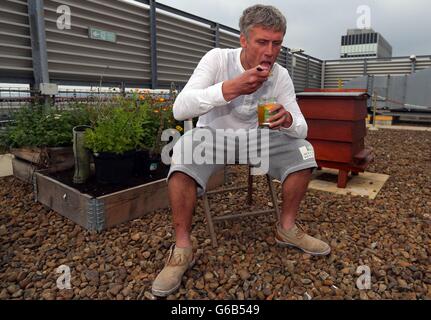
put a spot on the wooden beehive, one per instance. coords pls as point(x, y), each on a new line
point(337, 129)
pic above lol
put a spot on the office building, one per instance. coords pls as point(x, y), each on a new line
point(364, 43)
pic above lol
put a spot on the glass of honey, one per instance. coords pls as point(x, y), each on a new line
point(264, 108)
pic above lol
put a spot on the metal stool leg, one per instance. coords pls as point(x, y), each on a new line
point(250, 187)
point(210, 221)
point(274, 197)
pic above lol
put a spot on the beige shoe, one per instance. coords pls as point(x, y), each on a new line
point(296, 237)
point(169, 279)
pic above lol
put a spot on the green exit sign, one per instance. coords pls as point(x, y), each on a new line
point(102, 35)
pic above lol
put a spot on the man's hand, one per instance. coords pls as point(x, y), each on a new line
point(246, 83)
point(280, 118)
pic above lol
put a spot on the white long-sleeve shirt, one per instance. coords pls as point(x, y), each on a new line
point(203, 97)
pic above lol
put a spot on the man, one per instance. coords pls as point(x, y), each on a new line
point(223, 92)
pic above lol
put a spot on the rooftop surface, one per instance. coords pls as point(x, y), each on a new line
point(390, 235)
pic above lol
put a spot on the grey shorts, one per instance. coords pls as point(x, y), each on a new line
point(203, 151)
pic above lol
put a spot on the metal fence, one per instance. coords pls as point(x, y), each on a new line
point(336, 72)
point(155, 44)
point(15, 42)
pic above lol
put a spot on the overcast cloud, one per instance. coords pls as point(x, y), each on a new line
point(317, 25)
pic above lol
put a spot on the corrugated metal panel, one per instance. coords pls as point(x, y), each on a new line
point(180, 46)
point(15, 43)
point(314, 74)
point(335, 71)
point(299, 74)
point(281, 60)
point(389, 67)
point(289, 63)
point(72, 55)
point(228, 40)
point(423, 63)
point(181, 43)
point(347, 70)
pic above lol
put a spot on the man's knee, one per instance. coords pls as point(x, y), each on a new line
point(182, 178)
point(306, 173)
point(303, 175)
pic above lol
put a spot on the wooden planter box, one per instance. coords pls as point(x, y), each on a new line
point(337, 129)
point(28, 160)
point(100, 213)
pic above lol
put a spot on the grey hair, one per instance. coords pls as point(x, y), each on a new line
point(268, 17)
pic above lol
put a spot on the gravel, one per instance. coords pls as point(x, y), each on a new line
point(390, 235)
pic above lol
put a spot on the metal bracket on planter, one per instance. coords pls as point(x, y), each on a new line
point(34, 187)
point(96, 217)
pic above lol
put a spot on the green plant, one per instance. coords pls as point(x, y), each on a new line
point(118, 126)
point(131, 122)
point(41, 126)
point(159, 117)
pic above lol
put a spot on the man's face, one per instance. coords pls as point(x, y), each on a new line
point(261, 47)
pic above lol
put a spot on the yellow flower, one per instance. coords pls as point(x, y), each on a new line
point(142, 97)
point(161, 100)
point(179, 128)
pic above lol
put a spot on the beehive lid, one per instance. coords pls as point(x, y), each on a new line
point(332, 94)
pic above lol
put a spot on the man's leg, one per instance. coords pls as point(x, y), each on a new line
point(291, 161)
point(293, 190)
point(184, 182)
point(182, 196)
point(288, 232)
point(182, 190)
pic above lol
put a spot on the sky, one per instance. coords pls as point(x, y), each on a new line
point(317, 25)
